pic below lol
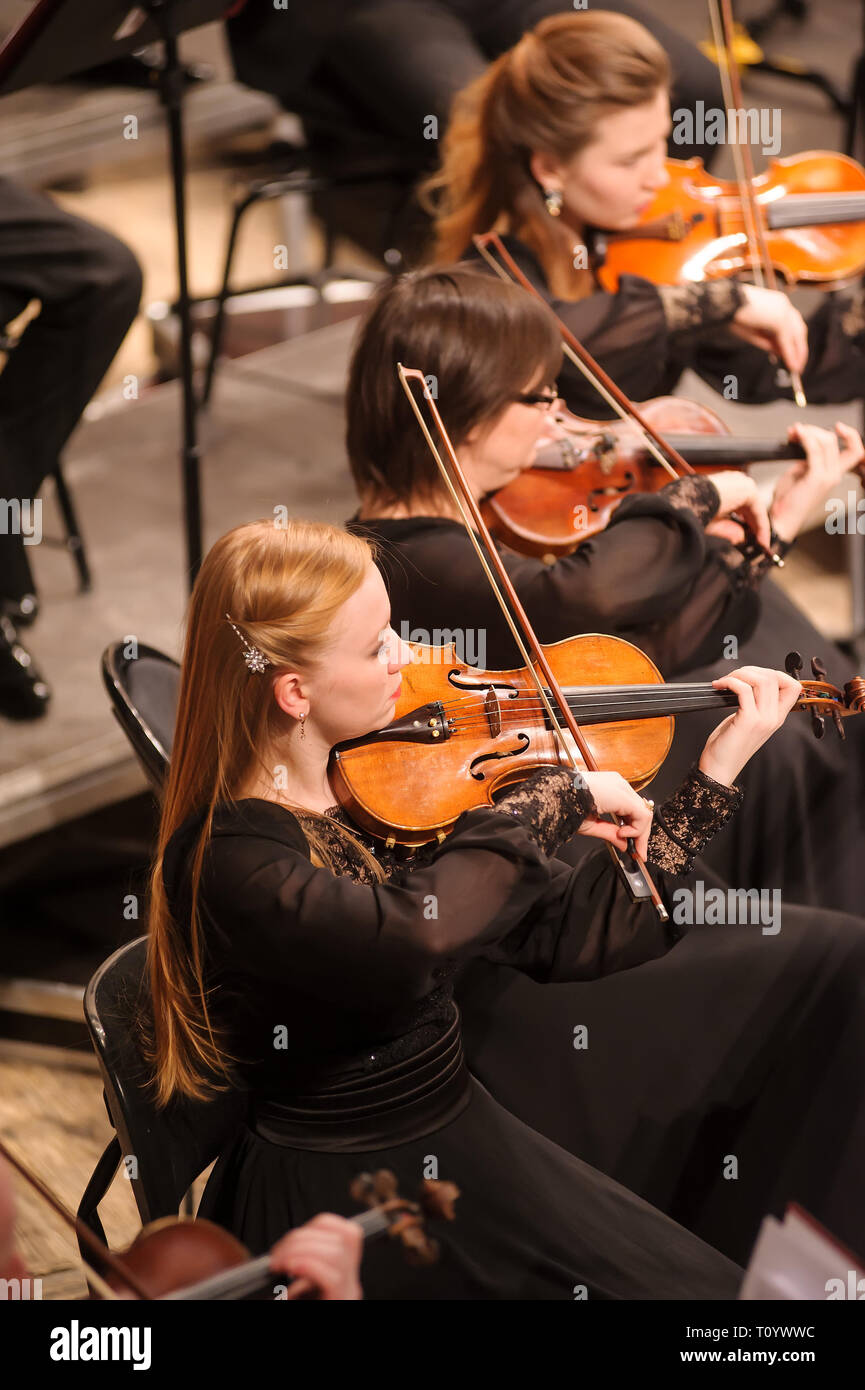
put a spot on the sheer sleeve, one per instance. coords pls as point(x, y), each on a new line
point(836, 356)
point(653, 576)
point(637, 335)
point(276, 915)
point(585, 924)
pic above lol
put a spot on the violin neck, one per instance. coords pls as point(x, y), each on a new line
point(727, 450)
point(605, 704)
point(815, 210)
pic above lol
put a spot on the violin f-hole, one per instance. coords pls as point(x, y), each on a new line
point(500, 753)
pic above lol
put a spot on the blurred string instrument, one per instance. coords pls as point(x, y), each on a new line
point(803, 219)
point(182, 1260)
point(810, 209)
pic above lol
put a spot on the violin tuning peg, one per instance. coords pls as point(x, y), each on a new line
point(818, 724)
point(839, 723)
point(818, 669)
point(793, 664)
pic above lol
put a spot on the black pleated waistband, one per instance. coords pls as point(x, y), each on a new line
point(393, 1106)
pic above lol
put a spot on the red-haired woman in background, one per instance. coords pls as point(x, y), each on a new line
point(567, 132)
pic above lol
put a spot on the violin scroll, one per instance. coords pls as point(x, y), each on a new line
point(824, 700)
point(379, 1191)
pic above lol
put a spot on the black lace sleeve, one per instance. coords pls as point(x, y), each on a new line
point(694, 308)
point(551, 805)
point(689, 819)
point(693, 494)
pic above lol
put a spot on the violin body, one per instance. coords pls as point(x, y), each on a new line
point(812, 208)
point(548, 512)
point(170, 1254)
point(463, 733)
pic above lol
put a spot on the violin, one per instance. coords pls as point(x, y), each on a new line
point(636, 421)
point(461, 734)
point(811, 212)
point(177, 1259)
point(575, 484)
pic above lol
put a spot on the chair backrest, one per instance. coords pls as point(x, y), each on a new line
point(143, 691)
point(164, 1151)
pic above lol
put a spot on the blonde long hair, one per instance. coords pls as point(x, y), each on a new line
point(546, 94)
point(282, 586)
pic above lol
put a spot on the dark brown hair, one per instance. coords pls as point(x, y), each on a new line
point(545, 95)
point(481, 340)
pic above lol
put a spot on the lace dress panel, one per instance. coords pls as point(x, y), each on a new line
point(692, 308)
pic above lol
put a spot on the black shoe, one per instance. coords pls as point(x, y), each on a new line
point(23, 692)
point(21, 611)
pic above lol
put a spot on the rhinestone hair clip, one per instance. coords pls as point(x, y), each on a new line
point(255, 659)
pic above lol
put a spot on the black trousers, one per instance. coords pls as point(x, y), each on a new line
point(89, 286)
point(385, 65)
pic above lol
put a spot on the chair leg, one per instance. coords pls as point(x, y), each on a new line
point(219, 321)
point(103, 1176)
point(74, 540)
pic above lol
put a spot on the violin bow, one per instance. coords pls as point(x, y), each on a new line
point(594, 373)
point(637, 878)
point(81, 1229)
point(721, 19)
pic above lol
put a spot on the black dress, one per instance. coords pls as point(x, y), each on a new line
point(655, 578)
point(335, 995)
point(645, 335)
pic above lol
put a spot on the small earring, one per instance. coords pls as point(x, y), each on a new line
point(553, 200)
point(303, 725)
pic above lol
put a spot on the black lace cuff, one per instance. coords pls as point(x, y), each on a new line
point(689, 819)
point(693, 494)
point(690, 308)
point(551, 804)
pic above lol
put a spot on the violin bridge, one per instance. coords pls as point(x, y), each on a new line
point(493, 711)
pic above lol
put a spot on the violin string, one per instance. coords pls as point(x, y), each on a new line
point(573, 693)
point(608, 704)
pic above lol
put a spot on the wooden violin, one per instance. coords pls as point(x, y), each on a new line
point(811, 210)
point(576, 484)
point(461, 734)
point(564, 532)
point(195, 1260)
point(178, 1259)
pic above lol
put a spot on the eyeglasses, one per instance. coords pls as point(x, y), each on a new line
point(545, 399)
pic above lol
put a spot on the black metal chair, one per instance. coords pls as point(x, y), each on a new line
point(143, 690)
point(163, 1151)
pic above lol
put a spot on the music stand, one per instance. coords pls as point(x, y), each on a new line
point(59, 38)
